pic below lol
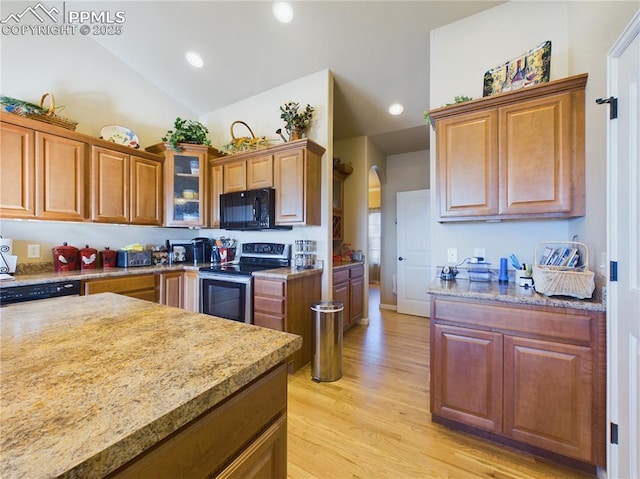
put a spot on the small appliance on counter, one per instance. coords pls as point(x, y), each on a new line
point(130, 258)
point(108, 258)
point(65, 257)
point(88, 258)
point(196, 250)
point(448, 273)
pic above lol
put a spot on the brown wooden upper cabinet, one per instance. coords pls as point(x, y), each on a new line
point(17, 163)
point(294, 169)
point(185, 183)
point(61, 166)
point(298, 174)
point(125, 188)
point(516, 155)
point(250, 174)
point(43, 173)
point(52, 173)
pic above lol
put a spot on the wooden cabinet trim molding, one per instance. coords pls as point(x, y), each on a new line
point(576, 82)
point(73, 135)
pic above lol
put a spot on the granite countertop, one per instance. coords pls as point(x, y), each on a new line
point(52, 276)
point(286, 273)
point(511, 293)
point(89, 382)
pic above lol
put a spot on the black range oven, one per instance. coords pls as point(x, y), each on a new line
point(226, 290)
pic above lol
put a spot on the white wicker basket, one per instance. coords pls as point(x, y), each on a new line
point(550, 280)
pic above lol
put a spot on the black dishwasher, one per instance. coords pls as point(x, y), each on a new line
point(32, 292)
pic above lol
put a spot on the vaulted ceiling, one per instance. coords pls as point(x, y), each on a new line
point(378, 52)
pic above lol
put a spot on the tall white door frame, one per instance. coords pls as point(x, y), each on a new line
point(623, 247)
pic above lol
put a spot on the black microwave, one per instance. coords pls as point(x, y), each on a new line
point(249, 210)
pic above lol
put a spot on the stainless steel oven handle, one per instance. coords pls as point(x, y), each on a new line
point(229, 278)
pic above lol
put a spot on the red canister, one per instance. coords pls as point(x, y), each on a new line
point(108, 257)
point(65, 257)
point(88, 258)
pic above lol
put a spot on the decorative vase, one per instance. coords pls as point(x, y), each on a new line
point(296, 134)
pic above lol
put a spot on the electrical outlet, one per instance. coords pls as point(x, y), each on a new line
point(452, 255)
point(480, 253)
point(33, 251)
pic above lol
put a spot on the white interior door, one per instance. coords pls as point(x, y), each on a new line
point(413, 211)
point(623, 217)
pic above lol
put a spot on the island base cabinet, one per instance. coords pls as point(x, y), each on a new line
point(245, 436)
point(266, 457)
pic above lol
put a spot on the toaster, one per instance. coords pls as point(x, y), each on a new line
point(134, 258)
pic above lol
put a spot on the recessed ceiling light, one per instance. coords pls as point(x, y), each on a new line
point(396, 109)
point(194, 59)
point(282, 11)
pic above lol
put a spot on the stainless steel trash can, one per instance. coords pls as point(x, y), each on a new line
point(326, 360)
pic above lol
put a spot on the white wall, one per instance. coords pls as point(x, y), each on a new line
point(405, 172)
point(581, 33)
point(95, 87)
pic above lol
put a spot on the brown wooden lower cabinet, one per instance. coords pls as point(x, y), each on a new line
point(142, 286)
point(530, 376)
point(243, 437)
point(285, 305)
point(191, 293)
point(348, 288)
point(172, 289)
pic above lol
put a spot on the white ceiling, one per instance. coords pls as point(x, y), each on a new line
point(378, 52)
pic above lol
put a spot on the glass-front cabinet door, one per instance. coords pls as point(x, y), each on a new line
point(185, 173)
point(187, 178)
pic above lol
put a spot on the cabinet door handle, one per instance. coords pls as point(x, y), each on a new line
point(400, 258)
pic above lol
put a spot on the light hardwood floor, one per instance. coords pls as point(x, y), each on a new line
point(375, 421)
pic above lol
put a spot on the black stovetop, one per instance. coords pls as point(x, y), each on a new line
point(255, 257)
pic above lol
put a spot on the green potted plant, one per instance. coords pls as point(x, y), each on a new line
point(296, 121)
point(186, 131)
point(457, 99)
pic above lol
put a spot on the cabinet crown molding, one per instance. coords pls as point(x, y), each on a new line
point(576, 82)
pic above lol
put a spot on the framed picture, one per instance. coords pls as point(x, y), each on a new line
point(526, 70)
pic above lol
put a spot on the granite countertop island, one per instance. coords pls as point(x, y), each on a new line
point(512, 293)
point(88, 383)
